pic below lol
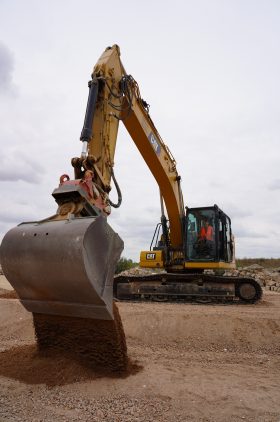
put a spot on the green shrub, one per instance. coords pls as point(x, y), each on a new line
point(125, 264)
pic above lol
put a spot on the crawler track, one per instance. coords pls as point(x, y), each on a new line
point(187, 287)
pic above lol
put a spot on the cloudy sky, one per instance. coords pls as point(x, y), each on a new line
point(210, 71)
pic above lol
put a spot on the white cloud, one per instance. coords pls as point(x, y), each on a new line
point(210, 71)
point(6, 71)
point(274, 185)
point(16, 166)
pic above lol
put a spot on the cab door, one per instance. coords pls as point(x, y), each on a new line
point(225, 246)
point(229, 245)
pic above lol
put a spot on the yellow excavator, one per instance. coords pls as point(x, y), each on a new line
point(64, 265)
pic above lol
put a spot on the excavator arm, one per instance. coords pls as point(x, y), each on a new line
point(64, 264)
point(115, 96)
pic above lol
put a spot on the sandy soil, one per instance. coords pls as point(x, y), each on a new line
point(4, 284)
point(192, 363)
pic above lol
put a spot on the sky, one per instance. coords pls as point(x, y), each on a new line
point(210, 72)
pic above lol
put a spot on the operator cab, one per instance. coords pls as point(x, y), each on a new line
point(208, 243)
point(208, 235)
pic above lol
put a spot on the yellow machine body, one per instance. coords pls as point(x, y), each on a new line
point(64, 265)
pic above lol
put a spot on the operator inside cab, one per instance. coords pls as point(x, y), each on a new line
point(206, 232)
point(204, 246)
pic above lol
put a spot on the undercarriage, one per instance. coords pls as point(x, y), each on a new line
point(187, 287)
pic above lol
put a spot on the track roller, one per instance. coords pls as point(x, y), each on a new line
point(248, 290)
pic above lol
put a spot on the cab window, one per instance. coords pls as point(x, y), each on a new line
point(201, 235)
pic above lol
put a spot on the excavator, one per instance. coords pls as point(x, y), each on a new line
point(64, 265)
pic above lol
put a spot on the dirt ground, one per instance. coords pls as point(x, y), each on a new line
point(191, 363)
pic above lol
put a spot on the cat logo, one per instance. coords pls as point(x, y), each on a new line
point(150, 256)
point(155, 143)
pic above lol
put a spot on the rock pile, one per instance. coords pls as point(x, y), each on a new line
point(269, 279)
point(135, 271)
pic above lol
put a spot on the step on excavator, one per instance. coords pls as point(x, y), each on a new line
point(63, 266)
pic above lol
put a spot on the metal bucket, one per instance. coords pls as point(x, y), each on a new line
point(63, 267)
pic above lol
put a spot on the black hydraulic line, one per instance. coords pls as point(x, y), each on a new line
point(118, 191)
point(165, 231)
point(92, 98)
point(165, 234)
point(183, 219)
point(155, 236)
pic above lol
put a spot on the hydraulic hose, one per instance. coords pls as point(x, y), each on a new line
point(118, 191)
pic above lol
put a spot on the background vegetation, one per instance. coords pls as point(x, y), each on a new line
point(264, 262)
point(125, 264)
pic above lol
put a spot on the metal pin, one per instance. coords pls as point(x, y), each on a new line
point(84, 149)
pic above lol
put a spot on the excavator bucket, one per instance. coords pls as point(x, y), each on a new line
point(63, 267)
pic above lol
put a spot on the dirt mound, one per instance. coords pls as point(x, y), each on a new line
point(200, 363)
point(8, 294)
point(202, 328)
point(77, 346)
point(98, 344)
point(27, 364)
